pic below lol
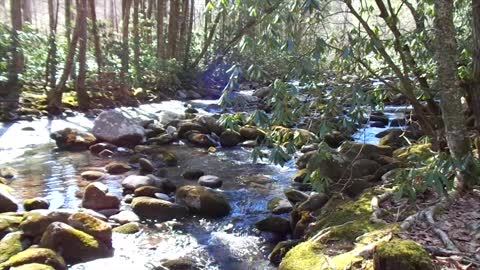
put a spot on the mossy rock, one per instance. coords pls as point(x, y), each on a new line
point(307, 255)
point(34, 224)
point(170, 158)
point(36, 255)
point(300, 176)
point(422, 150)
point(93, 226)
point(12, 244)
point(34, 266)
point(35, 203)
point(401, 255)
point(9, 222)
point(128, 228)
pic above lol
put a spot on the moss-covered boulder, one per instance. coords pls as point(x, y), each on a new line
point(9, 223)
point(252, 133)
point(401, 255)
point(281, 249)
point(422, 150)
point(353, 150)
point(7, 201)
point(35, 223)
point(128, 228)
point(35, 203)
point(36, 255)
point(73, 245)
point(203, 201)
point(156, 209)
point(279, 206)
point(12, 244)
point(230, 138)
point(34, 266)
point(93, 226)
point(274, 224)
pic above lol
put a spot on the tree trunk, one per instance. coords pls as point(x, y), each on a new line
point(448, 83)
point(126, 4)
point(161, 11)
point(68, 20)
point(51, 65)
point(80, 87)
point(136, 42)
point(186, 58)
point(183, 29)
point(96, 36)
point(205, 31)
point(474, 87)
point(173, 28)
point(27, 11)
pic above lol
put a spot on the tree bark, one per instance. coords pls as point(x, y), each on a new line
point(173, 28)
point(136, 42)
point(186, 58)
point(183, 29)
point(27, 11)
point(51, 65)
point(474, 87)
point(448, 83)
point(126, 4)
point(96, 36)
point(82, 95)
point(161, 11)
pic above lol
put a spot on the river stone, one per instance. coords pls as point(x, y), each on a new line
point(73, 245)
point(279, 206)
point(377, 124)
point(262, 92)
point(394, 139)
point(147, 191)
point(93, 226)
point(133, 182)
point(251, 133)
point(92, 175)
point(334, 139)
point(249, 144)
point(353, 150)
point(295, 196)
point(188, 127)
point(161, 140)
point(379, 118)
point(203, 201)
point(274, 224)
point(7, 201)
point(160, 210)
point(8, 172)
point(34, 223)
point(125, 216)
point(128, 228)
point(117, 168)
point(96, 197)
point(73, 140)
point(35, 203)
point(230, 138)
point(146, 165)
point(180, 264)
point(281, 249)
point(106, 154)
point(34, 266)
point(113, 127)
point(97, 148)
point(211, 124)
point(193, 174)
point(210, 181)
point(364, 167)
point(12, 244)
point(314, 202)
point(201, 140)
point(36, 255)
point(401, 254)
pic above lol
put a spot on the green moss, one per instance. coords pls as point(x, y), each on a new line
point(129, 228)
point(170, 158)
point(36, 255)
point(307, 255)
point(34, 266)
point(10, 245)
point(300, 175)
point(416, 149)
point(402, 254)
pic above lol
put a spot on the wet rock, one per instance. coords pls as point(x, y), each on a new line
point(262, 92)
point(210, 181)
point(12, 244)
point(113, 127)
point(92, 175)
point(211, 124)
point(281, 249)
point(146, 165)
point(377, 124)
point(193, 174)
point(163, 196)
point(364, 167)
point(394, 139)
point(125, 216)
point(249, 144)
point(161, 140)
point(334, 139)
point(188, 127)
point(398, 122)
point(314, 202)
point(160, 210)
point(108, 212)
point(7, 201)
point(117, 168)
point(379, 118)
point(300, 176)
point(295, 196)
point(93, 226)
point(106, 154)
point(353, 150)
point(279, 206)
point(34, 224)
point(128, 228)
point(73, 245)
point(73, 140)
point(96, 197)
point(35, 203)
point(166, 117)
point(180, 264)
point(34, 266)
point(36, 255)
point(97, 148)
point(400, 255)
point(147, 191)
point(230, 138)
point(274, 224)
point(201, 140)
point(203, 201)
point(251, 133)
point(133, 182)
point(301, 226)
point(8, 172)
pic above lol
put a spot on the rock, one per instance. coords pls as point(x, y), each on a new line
point(394, 139)
point(34, 266)
point(166, 117)
point(314, 202)
point(300, 176)
point(159, 210)
point(35, 203)
point(353, 150)
point(180, 264)
point(93, 226)
point(34, 224)
point(161, 140)
point(334, 139)
point(12, 244)
point(106, 154)
point(251, 133)
point(295, 196)
point(73, 140)
point(309, 148)
point(398, 122)
point(125, 216)
point(36, 255)
point(128, 228)
point(281, 249)
point(201, 140)
point(92, 175)
point(230, 138)
point(193, 174)
point(249, 144)
point(133, 182)
point(210, 181)
point(203, 201)
point(109, 212)
point(364, 167)
point(188, 127)
point(97, 148)
point(274, 224)
point(96, 197)
point(146, 165)
point(379, 118)
point(117, 168)
point(377, 124)
point(163, 196)
point(262, 92)
point(211, 124)
point(279, 206)
point(401, 255)
point(7, 172)
point(147, 191)
point(73, 245)
point(356, 187)
point(113, 127)
point(7, 201)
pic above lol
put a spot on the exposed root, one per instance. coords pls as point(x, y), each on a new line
point(377, 210)
point(440, 233)
point(442, 252)
point(323, 234)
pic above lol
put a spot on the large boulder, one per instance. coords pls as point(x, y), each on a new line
point(36, 255)
point(73, 140)
point(73, 245)
point(401, 255)
point(114, 127)
point(274, 224)
point(230, 138)
point(251, 133)
point(353, 150)
point(160, 210)
point(96, 197)
point(12, 244)
point(134, 182)
point(201, 140)
point(211, 124)
point(203, 201)
point(364, 167)
point(93, 226)
point(7, 201)
point(189, 127)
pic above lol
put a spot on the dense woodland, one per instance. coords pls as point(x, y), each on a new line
point(319, 70)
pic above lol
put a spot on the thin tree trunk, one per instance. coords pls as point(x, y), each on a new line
point(448, 83)
point(96, 36)
point(161, 11)
point(27, 11)
point(183, 29)
point(68, 20)
point(474, 87)
point(136, 42)
point(186, 58)
point(173, 28)
point(51, 65)
point(126, 4)
point(207, 42)
point(205, 31)
point(82, 95)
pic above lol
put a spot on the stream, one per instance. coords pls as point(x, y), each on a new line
point(230, 243)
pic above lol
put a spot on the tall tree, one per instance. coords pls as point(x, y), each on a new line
point(126, 4)
point(183, 21)
point(136, 41)
point(186, 58)
point(173, 28)
point(51, 65)
point(448, 83)
point(80, 87)
point(161, 11)
point(474, 87)
point(27, 10)
point(96, 36)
